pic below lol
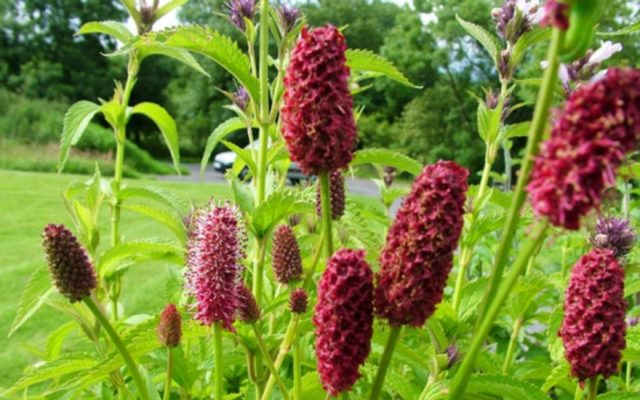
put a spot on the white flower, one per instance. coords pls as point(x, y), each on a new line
point(531, 10)
point(606, 50)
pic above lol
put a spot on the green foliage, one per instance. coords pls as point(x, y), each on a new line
point(387, 158)
point(371, 65)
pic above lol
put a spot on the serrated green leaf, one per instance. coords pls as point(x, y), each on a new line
point(504, 387)
point(112, 28)
point(486, 39)
point(223, 130)
point(65, 365)
point(517, 130)
point(618, 396)
point(525, 43)
point(631, 285)
point(178, 54)
point(221, 49)
point(275, 208)
point(76, 120)
point(167, 127)
point(388, 158)
point(242, 193)
point(125, 254)
point(372, 65)
point(153, 193)
point(560, 376)
point(56, 339)
point(35, 293)
point(168, 219)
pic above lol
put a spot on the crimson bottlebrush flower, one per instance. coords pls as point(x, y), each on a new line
point(336, 190)
point(593, 328)
point(599, 124)
point(72, 272)
point(418, 254)
point(239, 10)
point(248, 309)
point(169, 328)
point(556, 14)
point(615, 234)
point(287, 263)
point(344, 320)
point(298, 301)
point(317, 115)
point(215, 248)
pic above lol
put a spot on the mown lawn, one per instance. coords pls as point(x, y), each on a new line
point(28, 201)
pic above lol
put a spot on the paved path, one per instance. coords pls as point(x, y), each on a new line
point(355, 185)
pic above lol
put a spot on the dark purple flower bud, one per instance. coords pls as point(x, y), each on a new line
point(298, 301)
point(241, 98)
point(515, 18)
point(389, 176)
point(615, 234)
point(453, 355)
point(248, 309)
point(633, 321)
point(287, 263)
point(73, 273)
point(169, 328)
point(288, 17)
point(239, 10)
point(294, 220)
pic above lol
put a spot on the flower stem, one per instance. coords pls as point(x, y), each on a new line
point(578, 394)
point(308, 280)
point(325, 199)
point(264, 101)
point(461, 379)
point(117, 342)
point(269, 362)
point(217, 350)
point(538, 125)
point(376, 388)
point(592, 391)
point(284, 349)
point(167, 383)
point(258, 270)
point(628, 375)
point(515, 333)
point(297, 367)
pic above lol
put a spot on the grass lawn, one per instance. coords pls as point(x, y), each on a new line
point(28, 201)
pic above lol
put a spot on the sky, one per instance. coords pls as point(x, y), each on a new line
point(171, 19)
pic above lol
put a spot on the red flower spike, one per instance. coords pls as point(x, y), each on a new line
point(593, 328)
point(418, 255)
point(336, 190)
point(216, 246)
point(317, 115)
point(169, 328)
point(298, 301)
point(599, 124)
point(72, 272)
point(287, 263)
point(344, 320)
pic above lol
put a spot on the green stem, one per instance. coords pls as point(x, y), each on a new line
point(297, 367)
point(117, 342)
point(325, 199)
point(515, 333)
point(578, 394)
point(284, 349)
point(538, 125)
point(465, 260)
point(269, 362)
point(592, 392)
point(264, 101)
point(217, 350)
point(376, 388)
point(258, 270)
point(461, 379)
point(308, 280)
point(628, 375)
point(167, 383)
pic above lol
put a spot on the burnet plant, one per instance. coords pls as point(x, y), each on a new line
point(306, 293)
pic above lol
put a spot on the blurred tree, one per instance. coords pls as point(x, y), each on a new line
point(42, 58)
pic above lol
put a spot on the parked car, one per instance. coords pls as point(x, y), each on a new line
point(225, 160)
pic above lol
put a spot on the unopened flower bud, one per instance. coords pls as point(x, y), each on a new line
point(169, 328)
point(298, 301)
point(248, 309)
point(287, 262)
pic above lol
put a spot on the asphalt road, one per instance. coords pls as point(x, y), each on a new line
point(354, 185)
